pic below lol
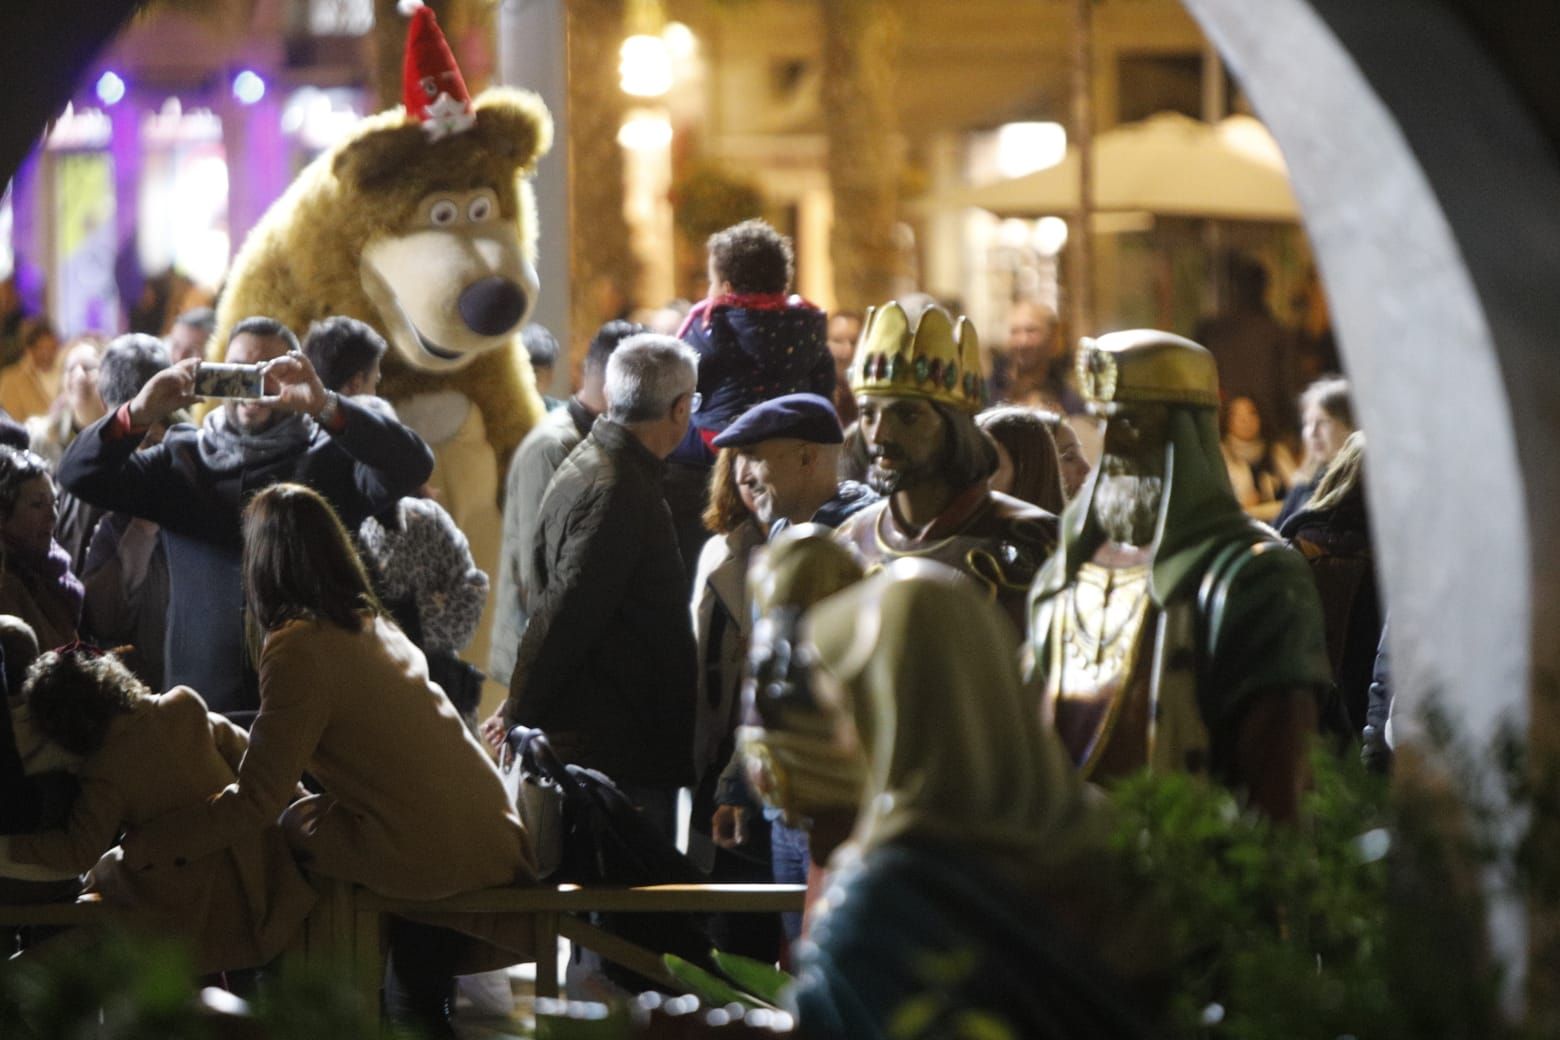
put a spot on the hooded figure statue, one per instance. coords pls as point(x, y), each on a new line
point(1169, 630)
point(975, 896)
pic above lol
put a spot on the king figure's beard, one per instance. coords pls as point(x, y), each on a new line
point(887, 481)
point(1127, 507)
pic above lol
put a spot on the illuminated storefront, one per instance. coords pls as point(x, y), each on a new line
point(173, 148)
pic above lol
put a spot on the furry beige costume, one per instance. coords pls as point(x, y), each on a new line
point(429, 238)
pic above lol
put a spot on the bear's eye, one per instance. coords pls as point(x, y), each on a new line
point(443, 213)
point(479, 209)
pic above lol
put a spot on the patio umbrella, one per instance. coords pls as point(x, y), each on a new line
point(1168, 164)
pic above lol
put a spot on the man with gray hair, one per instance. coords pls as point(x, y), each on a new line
point(126, 568)
point(607, 664)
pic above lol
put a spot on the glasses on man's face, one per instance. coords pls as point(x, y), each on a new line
point(694, 400)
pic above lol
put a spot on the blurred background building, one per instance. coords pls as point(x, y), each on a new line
point(905, 146)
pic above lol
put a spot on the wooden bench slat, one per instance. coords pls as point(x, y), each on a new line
point(619, 951)
point(577, 899)
point(87, 910)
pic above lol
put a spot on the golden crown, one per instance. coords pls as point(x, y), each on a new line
point(938, 359)
point(1144, 366)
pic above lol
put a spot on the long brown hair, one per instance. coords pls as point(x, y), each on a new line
point(1037, 471)
point(300, 563)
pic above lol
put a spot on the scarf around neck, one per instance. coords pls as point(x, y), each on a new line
point(224, 448)
point(48, 572)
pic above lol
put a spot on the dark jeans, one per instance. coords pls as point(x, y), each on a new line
point(420, 978)
point(658, 805)
point(789, 856)
point(751, 935)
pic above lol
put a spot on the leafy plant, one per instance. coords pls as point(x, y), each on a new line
point(707, 986)
point(125, 986)
point(764, 981)
point(1365, 921)
point(742, 980)
point(142, 990)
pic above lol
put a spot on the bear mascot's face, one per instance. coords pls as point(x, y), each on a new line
point(446, 265)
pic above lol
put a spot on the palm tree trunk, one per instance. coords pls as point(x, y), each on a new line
point(602, 264)
point(1080, 308)
point(861, 50)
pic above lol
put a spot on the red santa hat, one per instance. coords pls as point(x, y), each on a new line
point(432, 88)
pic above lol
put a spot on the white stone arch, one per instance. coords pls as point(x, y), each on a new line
point(1432, 198)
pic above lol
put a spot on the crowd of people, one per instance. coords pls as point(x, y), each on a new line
point(887, 614)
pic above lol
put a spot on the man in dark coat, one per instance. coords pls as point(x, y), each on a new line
point(196, 483)
point(607, 662)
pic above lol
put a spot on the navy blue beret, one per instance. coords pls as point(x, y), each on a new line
point(803, 417)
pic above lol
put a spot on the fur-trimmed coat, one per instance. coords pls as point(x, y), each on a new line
point(241, 900)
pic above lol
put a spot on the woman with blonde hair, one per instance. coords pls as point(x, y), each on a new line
point(1333, 533)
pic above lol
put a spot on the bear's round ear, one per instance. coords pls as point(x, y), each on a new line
point(514, 124)
point(375, 158)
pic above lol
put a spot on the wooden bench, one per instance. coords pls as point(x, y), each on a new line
point(87, 910)
point(345, 931)
point(357, 920)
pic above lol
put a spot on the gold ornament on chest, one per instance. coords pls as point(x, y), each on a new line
point(1097, 646)
point(1101, 625)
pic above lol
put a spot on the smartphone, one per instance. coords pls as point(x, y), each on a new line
point(215, 379)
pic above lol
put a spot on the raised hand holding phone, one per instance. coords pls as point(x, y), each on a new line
point(168, 390)
point(292, 385)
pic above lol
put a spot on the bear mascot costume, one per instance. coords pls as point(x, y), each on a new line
point(421, 222)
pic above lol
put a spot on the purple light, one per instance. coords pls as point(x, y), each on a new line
point(248, 87)
point(110, 88)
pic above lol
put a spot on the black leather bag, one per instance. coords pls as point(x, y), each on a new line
point(607, 841)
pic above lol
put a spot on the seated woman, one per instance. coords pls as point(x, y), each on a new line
point(36, 583)
point(974, 895)
point(413, 807)
point(37, 776)
point(37, 785)
point(144, 756)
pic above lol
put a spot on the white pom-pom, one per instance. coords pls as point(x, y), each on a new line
point(406, 7)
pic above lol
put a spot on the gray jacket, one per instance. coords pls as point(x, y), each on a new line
point(530, 471)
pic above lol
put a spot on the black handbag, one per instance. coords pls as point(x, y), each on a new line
point(607, 841)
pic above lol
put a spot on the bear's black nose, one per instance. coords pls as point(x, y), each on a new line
point(491, 306)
